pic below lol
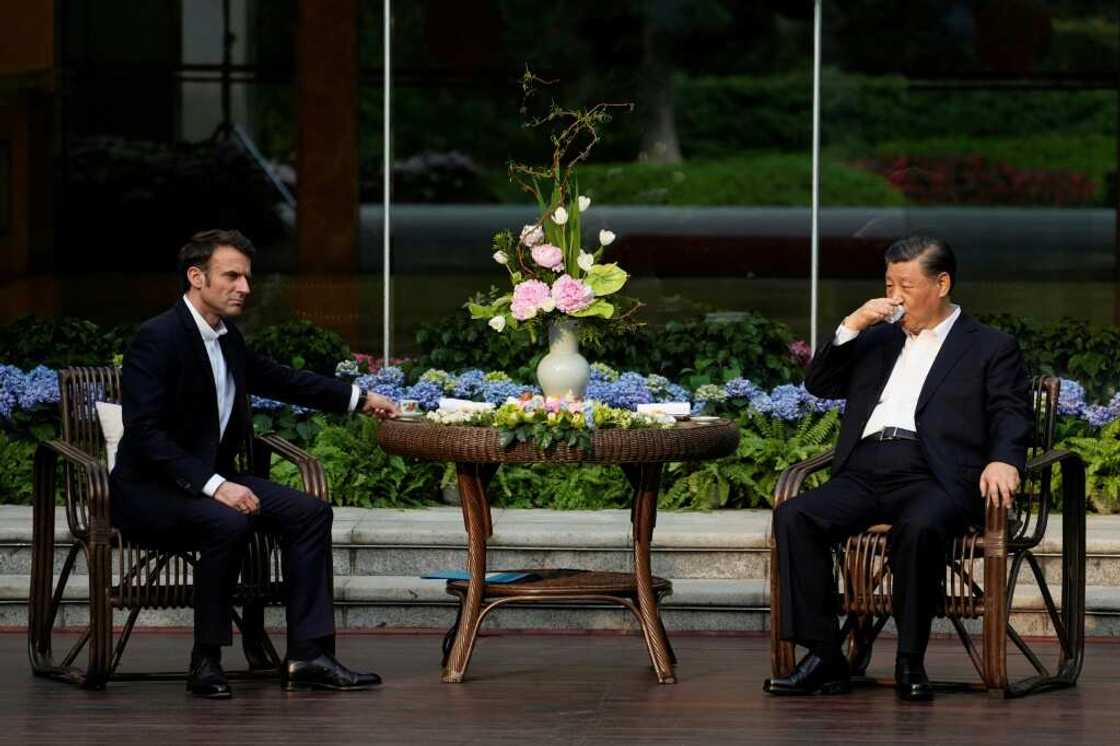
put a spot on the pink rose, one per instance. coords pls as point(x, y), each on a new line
point(548, 256)
point(531, 235)
point(527, 299)
point(570, 294)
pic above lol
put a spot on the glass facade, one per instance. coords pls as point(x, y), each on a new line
point(993, 124)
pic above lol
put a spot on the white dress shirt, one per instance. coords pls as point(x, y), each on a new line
point(224, 385)
point(223, 380)
point(899, 400)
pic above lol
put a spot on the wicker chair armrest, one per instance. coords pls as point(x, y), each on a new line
point(1052, 457)
point(97, 484)
point(790, 481)
point(314, 480)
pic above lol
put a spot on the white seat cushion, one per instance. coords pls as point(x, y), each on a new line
point(112, 427)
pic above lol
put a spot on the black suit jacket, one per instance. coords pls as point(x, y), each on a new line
point(171, 439)
point(973, 409)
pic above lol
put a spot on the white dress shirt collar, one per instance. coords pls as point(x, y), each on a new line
point(209, 333)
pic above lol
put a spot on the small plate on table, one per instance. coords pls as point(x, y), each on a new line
point(704, 419)
point(410, 417)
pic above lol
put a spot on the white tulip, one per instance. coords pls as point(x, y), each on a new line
point(560, 216)
point(585, 261)
point(584, 203)
point(606, 238)
point(500, 257)
point(497, 323)
point(547, 305)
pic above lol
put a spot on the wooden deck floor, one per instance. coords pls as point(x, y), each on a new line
point(546, 689)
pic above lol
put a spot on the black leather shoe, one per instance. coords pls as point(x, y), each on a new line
point(324, 672)
point(813, 675)
point(208, 680)
point(911, 683)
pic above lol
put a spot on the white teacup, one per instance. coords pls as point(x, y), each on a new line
point(409, 407)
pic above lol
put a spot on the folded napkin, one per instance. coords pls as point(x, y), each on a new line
point(676, 408)
point(464, 405)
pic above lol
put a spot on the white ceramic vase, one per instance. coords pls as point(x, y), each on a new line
point(563, 371)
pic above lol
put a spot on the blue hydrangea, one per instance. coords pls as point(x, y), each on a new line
point(428, 393)
point(441, 378)
point(11, 387)
point(390, 374)
point(1097, 415)
point(496, 392)
point(40, 388)
point(469, 384)
point(626, 393)
point(787, 400)
point(740, 388)
point(675, 392)
point(1071, 398)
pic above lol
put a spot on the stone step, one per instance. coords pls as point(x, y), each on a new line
point(727, 545)
point(370, 602)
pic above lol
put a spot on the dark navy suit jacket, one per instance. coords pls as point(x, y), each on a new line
point(171, 442)
point(973, 409)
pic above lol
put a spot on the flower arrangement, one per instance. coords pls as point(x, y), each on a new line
point(552, 274)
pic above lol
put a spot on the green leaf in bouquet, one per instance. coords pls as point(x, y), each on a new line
point(604, 279)
point(598, 307)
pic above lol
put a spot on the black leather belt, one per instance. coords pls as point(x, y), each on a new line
point(893, 433)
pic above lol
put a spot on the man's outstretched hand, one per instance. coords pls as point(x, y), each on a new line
point(379, 406)
point(237, 496)
point(999, 483)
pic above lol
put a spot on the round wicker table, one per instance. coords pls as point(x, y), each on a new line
point(641, 454)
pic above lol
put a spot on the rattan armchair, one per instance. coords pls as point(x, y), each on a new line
point(123, 574)
point(982, 571)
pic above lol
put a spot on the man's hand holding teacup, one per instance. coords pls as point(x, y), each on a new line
point(874, 311)
point(379, 406)
point(999, 483)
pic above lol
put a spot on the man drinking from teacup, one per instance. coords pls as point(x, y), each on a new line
point(937, 420)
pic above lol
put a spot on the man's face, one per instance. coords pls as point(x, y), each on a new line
point(224, 287)
point(922, 294)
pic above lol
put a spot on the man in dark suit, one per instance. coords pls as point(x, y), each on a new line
point(185, 385)
point(937, 419)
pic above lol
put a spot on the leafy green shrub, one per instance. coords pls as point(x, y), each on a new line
point(359, 473)
point(1069, 348)
point(694, 352)
point(56, 343)
point(1102, 466)
point(586, 487)
point(767, 446)
point(16, 468)
point(302, 345)
point(721, 115)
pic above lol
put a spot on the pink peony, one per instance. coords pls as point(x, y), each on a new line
point(570, 294)
point(527, 299)
point(548, 256)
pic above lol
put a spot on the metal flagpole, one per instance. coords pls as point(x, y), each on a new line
point(386, 180)
point(814, 239)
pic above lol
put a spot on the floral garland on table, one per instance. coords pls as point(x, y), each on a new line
point(549, 422)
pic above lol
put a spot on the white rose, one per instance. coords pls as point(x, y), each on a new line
point(547, 305)
point(585, 261)
point(497, 323)
point(606, 238)
point(584, 203)
point(560, 216)
point(500, 257)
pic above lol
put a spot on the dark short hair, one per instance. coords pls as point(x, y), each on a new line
point(934, 254)
point(197, 251)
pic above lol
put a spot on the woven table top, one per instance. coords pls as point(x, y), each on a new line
point(684, 442)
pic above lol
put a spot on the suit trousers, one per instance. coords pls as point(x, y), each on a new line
point(883, 482)
point(170, 520)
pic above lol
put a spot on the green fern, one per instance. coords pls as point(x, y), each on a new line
point(1102, 462)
